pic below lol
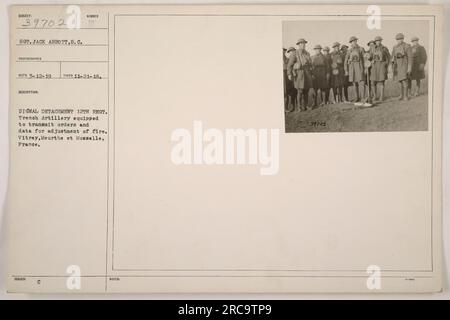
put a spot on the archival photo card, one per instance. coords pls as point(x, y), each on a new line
point(225, 148)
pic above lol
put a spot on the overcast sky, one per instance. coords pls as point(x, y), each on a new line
point(329, 31)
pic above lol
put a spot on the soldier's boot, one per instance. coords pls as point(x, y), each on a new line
point(374, 93)
point(381, 93)
point(302, 102)
point(309, 99)
point(344, 95)
point(356, 87)
point(291, 105)
point(315, 98)
point(311, 94)
point(365, 95)
point(417, 93)
point(402, 88)
point(323, 99)
point(337, 97)
point(406, 89)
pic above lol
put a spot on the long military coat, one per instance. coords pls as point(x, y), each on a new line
point(289, 89)
point(419, 58)
point(347, 83)
point(402, 61)
point(337, 69)
point(380, 63)
point(320, 69)
point(354, 64)
point(299, 67)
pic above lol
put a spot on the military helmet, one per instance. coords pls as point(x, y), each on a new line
point(317, 46)
point(414, 39)
point(301, 40)
point(290, 49)
point(352, 38)
point(399, 36)
point(378, 38)
point(371, 41)
point(336, 44)
point(326, 48)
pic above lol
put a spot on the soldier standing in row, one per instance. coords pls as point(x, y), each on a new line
point(337, 73)
point(402, 65)
point(419, 59)
point(299, 70)
point(320, 75)
point(368, 63)
point(354, 67)
point(346, 83)
point(381, 58)
point(326, 54)
point(285, 80)
point(290, 93)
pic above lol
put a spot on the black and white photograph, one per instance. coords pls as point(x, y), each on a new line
point(342, 76)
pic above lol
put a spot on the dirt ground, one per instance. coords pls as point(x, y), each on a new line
point(390, 115)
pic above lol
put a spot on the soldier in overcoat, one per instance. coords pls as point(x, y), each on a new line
point(354, 67)
point(290, 93)
point(337, 71)
point(299, 70)
point(381, 58)
point(326, 54)
point(346, 84)
point(320, 75)
point(402, 65)
point(368, 69)
point(419, 59)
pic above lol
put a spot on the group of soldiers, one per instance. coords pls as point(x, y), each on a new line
point(310, 78)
